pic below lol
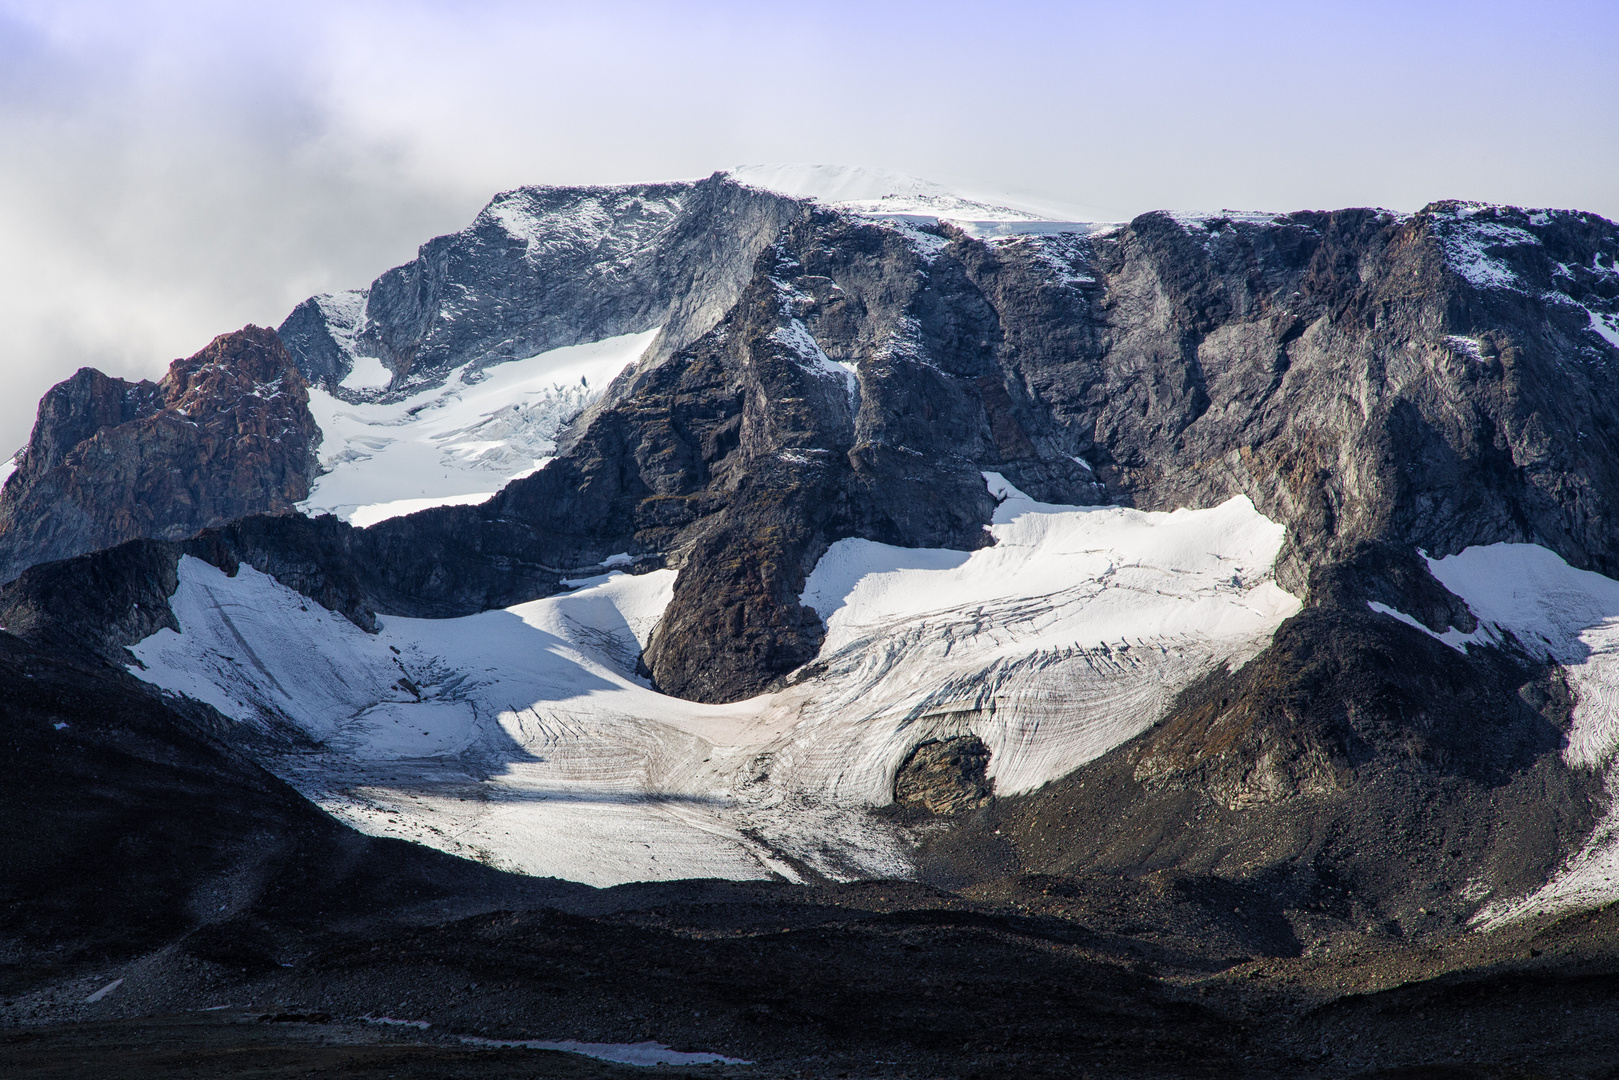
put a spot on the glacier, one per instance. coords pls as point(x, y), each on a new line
point(525, 739)
point(458, 442)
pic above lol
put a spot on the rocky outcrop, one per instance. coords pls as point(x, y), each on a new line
point(1433, 381)
point(227, 433)
point(945, 776)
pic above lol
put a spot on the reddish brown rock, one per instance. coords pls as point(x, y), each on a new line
point(227, 433)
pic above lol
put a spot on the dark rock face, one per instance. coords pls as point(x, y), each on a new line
point(1361, 377)
point(225, 434)
point(945, 776)
point(545, 267)
point(98, 602)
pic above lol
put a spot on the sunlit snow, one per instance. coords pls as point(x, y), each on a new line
point(368, 373)
point(1605, 325)
point(1471, 243)
point(904, 199)
point(524, 738)
point(458, 442)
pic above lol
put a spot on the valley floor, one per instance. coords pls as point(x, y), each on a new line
point(879, 979)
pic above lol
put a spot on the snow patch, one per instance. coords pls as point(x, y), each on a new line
point(104, 991)
point(1471, 246)
point(364, 516)
point(368, 373)
point(1452, 636)
point(1214, 221)
point(456, 443)
point(420, 1025)
point(533, 216)
point(867, 190)
point(344, 315)
point(797, 338)
point(1472, 348)
point(7, 469)
point(1607, 326)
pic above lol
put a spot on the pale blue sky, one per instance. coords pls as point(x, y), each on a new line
point(172, 170)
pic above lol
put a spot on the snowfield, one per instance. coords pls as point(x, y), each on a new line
point(456, 443)
point(523, 738)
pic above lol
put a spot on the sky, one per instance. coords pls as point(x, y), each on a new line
point(174, 170)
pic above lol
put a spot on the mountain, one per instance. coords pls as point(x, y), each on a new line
point(1242, 579)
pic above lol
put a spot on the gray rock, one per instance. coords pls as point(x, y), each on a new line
point(545, 267)
point(945, 776)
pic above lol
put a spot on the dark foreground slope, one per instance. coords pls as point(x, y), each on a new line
point(140, 847)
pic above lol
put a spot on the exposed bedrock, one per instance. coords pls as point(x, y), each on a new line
point(945, 776)
point(227, 433)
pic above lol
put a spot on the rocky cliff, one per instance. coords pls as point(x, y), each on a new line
point(227, 433)
point(542, 268)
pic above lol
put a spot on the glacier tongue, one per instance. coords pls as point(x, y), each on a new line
point(1069, 636)
point(523, 737)
point(459, 442)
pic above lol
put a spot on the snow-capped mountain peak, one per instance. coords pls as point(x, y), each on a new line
point(864, 190)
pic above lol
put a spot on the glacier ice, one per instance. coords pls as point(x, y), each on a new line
point(523, 737)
